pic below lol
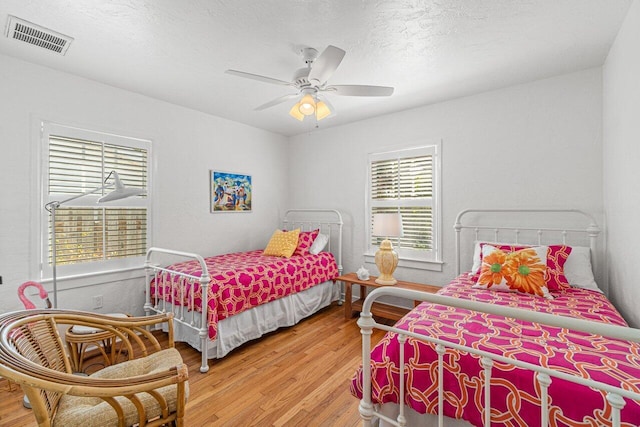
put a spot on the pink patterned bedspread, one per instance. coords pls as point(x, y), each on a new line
point(515, 396)
point(240, 281)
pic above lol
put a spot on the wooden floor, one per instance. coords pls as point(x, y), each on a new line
point(297, 376)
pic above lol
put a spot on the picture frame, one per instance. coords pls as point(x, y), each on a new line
point(230, 192)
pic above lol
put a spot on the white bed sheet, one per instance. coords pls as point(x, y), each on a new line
point(254, 323)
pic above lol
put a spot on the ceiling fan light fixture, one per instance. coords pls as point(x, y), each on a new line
point(322, 110)
point(295, 112)
point(311, 81)
point(307, 105)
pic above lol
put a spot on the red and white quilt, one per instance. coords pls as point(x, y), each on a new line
point(240, 281)
point(515, 395)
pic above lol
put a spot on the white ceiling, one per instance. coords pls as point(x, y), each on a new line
point(177, 51)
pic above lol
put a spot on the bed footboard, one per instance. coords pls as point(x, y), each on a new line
point(614, 395)
point(181, 313)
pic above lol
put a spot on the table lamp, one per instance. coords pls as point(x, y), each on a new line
point(387, 225)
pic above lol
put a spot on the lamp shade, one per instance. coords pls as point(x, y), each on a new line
point(322, 110)
point(120, 191)
point(307, 105)
point(387, 225)
point(295, 112)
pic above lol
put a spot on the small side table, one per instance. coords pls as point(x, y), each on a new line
point(80, 338)
point(378, 309)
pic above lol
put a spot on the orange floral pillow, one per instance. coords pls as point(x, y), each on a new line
point(557, 255)
point(518, 271)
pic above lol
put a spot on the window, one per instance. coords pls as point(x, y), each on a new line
point(406, 181)
point(92, 237)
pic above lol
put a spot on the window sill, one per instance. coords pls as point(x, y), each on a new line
point(418, 264)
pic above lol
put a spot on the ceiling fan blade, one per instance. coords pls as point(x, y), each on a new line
point(277, 101)
point(258, 77)
point(324, 66)
point(360, 90)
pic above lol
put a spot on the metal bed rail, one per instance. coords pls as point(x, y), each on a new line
point(514, 233)
point(181, 312)
point(615, 395)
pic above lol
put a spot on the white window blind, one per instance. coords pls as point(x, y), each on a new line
point(95, 234)
point(77, 165)
point(404, 181)
point(88, 233)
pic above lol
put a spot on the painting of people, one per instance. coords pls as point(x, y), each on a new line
point(230, 192)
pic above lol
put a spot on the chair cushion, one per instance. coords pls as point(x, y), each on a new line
point(83, 330)
point(92, 411)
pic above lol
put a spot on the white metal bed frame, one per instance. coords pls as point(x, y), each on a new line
point(328, 221)
point(544, 376)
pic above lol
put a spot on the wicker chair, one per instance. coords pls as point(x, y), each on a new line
point(148, 389)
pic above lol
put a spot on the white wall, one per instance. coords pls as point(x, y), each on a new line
point(533, 145)
point(621, 126)
point(186, 144)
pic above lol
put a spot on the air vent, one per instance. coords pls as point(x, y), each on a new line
point(31, 33)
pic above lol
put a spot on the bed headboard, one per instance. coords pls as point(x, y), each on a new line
point(328, 221)
point(528, 226)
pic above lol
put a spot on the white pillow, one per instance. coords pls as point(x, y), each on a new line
point(476, 258)
point(578, 270)
point(318, 244)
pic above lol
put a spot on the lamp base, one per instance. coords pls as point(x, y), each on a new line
point(386, 261)
point(380, 281)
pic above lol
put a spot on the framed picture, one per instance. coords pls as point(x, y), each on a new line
point(230, 192)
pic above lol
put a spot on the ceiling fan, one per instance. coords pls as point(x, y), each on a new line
point(311, 82)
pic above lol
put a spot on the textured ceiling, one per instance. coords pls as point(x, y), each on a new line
point(177, 51)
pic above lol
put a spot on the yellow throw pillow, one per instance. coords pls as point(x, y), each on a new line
point(282, 243)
